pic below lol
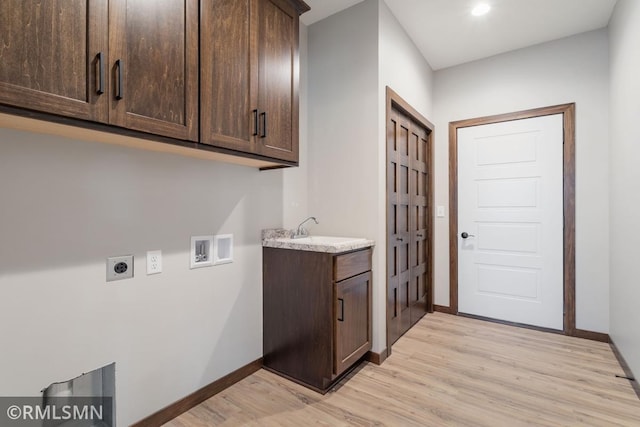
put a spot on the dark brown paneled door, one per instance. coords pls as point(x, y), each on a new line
point(398, 218)
point(154, 66)
point(408, 219)
point(419, 218)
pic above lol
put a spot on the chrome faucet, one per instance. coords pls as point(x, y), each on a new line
point(302, 232)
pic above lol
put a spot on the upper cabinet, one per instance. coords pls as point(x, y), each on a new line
point(228, 77)
point(221, 73)
point(154, 63)
point(249, 76)
point(118, 61)
point(53, 56)
point(278, 80)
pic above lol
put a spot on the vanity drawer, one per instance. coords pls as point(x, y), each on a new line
point(351, 264)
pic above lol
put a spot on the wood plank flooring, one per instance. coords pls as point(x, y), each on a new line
point(446, 371)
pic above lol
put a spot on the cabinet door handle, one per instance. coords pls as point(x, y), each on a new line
point(341, 318)
point(264, 124)
point(100, 58)
point(255, 122)
point(120, 91)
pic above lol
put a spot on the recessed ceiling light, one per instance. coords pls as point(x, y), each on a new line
point(481, 9)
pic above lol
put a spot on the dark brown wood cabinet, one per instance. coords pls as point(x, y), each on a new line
point(53, 57)
point(154, 63)
point(118, 61)
point(214, 75)
point(249, 76)
point(316, 313)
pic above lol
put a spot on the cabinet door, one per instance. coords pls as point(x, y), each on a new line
point(278, 80)
point(352, 321)
point(51, 55)
point(229, 73)
point(154, 66)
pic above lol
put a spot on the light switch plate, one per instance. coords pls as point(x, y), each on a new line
point(440, 212)
point(154, 262)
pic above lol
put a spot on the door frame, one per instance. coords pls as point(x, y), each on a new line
point(568, 205)
point(395, 101)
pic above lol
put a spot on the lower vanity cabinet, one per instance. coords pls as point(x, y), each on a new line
point(317, 313)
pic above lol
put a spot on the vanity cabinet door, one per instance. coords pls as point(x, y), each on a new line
point(352, 311)
point(53, 57)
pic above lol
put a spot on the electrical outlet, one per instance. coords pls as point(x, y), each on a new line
point(119, 267)
point(154, 262)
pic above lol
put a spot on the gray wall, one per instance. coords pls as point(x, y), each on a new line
point(573, 69)
point(624, 35)
point(343, 113)
point(348, 53)
point(296, 180)
point(402, 67)
point(66, 206)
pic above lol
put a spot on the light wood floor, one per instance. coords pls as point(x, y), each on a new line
point(447, 371)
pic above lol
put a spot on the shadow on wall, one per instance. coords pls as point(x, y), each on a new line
point(67, 203)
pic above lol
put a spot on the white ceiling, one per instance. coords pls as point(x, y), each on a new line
point(447, 34)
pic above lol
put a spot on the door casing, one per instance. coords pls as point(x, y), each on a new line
point(568, 112)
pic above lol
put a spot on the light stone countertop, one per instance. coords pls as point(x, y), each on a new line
point(281, 238)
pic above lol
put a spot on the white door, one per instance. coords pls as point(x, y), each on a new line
point(510, 221)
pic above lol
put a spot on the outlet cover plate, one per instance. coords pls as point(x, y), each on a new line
point(154, 262)
point(119, 267)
